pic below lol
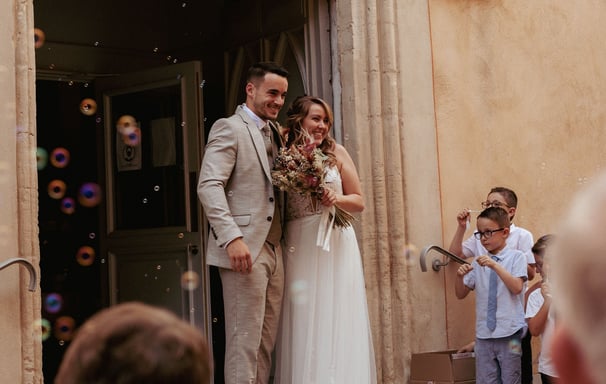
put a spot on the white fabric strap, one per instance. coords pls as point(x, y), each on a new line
point(325, 228)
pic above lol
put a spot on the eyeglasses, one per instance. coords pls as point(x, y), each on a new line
point(496, 204)
point(487, 234)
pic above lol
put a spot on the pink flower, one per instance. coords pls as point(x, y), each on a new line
point(312, 181)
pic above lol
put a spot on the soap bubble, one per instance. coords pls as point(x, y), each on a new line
point(41, 158)
point(411, 253)
point(59, 157)
point(44, 326)
point(126, 121)
point(53, 303)
point(298, 291)
point(190, 280)
point(85, 256)
point(133, 137)
point(68, 206)
point(88, 107)
point(64, 328)
point(56, 189)
point(128, 127)
point(39, 38)
point(89, 195)
point(515, 346)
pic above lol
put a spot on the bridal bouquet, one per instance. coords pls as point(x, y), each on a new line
point(301, 169)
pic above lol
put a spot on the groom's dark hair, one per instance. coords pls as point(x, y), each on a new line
point(259, 70)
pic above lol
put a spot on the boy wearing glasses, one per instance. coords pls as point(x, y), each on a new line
point(498, 278)
point(519, 238)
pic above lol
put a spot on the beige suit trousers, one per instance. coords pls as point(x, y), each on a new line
point(252, 313)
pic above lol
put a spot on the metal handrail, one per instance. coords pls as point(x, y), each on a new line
point(33, 279)
point(436, 264)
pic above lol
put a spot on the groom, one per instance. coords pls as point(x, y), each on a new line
point(238, 198)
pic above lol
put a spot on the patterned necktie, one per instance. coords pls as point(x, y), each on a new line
point(491, 315)
point(268, 145)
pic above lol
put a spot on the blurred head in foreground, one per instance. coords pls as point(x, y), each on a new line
point(578, 270)
point(136, 343)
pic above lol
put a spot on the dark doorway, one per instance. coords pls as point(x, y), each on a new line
point(69, 231)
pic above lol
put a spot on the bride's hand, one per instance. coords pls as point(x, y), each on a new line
point(329, 197)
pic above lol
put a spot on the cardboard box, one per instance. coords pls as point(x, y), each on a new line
point(443, 367)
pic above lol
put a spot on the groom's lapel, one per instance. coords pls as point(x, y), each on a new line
point(258, 141)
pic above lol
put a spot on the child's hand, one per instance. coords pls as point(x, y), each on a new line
point(463, 217)
point(464, 269)
point(486, 261)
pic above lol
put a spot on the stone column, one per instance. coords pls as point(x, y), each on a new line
point(383, 57)
point(20, 343)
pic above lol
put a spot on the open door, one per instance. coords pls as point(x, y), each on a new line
point(153, 139)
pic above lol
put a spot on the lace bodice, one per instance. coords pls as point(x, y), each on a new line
point(303, 205)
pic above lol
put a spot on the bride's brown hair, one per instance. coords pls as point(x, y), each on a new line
point(297, 111)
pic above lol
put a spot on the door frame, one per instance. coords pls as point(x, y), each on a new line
point(192, 236)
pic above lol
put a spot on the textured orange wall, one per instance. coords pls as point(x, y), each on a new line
point(519, 97)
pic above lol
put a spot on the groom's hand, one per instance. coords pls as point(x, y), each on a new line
point(239, 256)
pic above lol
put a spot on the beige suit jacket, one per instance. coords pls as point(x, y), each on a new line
point(235, 187)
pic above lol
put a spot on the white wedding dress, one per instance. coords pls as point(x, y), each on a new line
point(325, 335)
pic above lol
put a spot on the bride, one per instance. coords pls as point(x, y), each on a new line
point(325, 334)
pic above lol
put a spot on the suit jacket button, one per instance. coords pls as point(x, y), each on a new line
point(268, 218)
point(271, 199)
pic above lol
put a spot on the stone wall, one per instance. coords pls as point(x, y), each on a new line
point(443, 100)
point(20, 346)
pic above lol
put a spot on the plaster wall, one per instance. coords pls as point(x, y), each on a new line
point(384, 63)
point(10, 319)
point(519, 100)
point(20, 348)
point(441, 101)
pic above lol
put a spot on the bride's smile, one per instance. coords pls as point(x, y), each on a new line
point(316, 123)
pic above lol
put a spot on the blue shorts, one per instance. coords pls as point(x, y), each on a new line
point(498, 361)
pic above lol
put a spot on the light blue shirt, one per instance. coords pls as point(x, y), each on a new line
point(258, 121)
point(510, 307)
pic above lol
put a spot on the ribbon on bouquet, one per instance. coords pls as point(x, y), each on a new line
point(327, 220)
